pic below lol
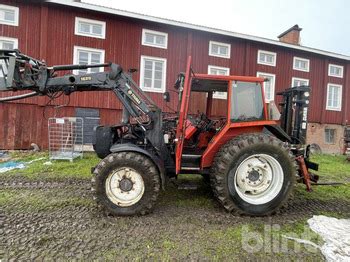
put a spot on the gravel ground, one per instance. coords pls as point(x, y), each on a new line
point(58, 220)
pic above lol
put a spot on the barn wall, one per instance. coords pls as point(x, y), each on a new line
point(46, 31)
point(23, 124)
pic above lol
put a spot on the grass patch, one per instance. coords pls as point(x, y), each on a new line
point(325, 193)
point(332, 167)
point(58, 170)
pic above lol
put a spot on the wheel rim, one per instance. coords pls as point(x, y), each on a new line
point(125, 186)
point(258, 179)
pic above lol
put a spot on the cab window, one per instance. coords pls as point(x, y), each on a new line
point(247, 102)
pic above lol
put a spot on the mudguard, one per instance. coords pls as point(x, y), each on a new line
point(278, 132)
point(102, 140)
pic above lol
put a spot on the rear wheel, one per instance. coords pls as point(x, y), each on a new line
point(126, 183)
point(253, 174)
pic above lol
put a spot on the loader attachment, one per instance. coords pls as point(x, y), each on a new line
point(7, 70)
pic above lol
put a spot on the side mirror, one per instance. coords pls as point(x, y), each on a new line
point(166, 96)
point(179, 81)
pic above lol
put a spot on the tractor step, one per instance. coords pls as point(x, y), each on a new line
point(190, 168)
point(191, 158)
point(190, 162)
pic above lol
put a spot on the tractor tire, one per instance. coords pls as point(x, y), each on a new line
point(126, 184)
point(253, 174)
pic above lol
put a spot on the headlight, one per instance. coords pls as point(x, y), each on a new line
point(306, 94)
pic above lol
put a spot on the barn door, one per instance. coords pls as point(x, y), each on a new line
point(91, 119)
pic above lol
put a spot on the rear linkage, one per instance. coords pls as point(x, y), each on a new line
point(294, 122)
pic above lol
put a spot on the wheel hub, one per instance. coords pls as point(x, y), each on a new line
point(254, 175)
point(126, 184)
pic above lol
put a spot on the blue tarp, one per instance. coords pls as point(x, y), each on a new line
point(10, 165)
point(7, 166)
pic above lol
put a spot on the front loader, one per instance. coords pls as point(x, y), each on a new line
point(251, 155)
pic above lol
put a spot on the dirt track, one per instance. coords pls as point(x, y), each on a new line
point(59, 220)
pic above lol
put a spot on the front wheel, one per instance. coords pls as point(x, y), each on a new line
point(126, 183)
point(253, 174)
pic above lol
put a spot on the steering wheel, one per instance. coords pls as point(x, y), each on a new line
point(203, 122)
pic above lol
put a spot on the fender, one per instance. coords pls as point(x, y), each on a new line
point(278, 132)
point(128, 147)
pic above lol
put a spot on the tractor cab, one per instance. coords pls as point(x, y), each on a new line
point(203, 128)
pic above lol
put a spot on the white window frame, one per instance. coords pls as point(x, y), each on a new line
point(340, 97)
point(90, 21)
point(10, 39)
point(334, 136)
point(220, 95)
point(268, 53)
point(300, 79)
point(222, 44)
point(142, 71)
point(12, 8)
point(273, 85)
point(144, 31)
point(304, 60)
point(338, 66)
point(87, 49)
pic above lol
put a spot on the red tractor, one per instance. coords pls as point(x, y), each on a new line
point(251, 157)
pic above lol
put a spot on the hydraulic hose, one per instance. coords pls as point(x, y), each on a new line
point(12, 98)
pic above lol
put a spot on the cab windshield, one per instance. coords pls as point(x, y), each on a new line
point(247, 102)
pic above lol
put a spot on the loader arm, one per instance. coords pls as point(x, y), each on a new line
point(19, 72)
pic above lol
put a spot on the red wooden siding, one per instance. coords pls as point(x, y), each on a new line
point(23, 124)
point(46, 31)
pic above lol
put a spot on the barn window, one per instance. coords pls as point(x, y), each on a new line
point(154, 38)
point(9, 15)
point(329, 136)
point(301, 64)
point(153, 74)
point(266, 58)
point(216, 70)
point(334, 96)
point(91, 28)
point(269, 86)
point(84, 55)
point(335, 70)
point(219, 49)
point(299, 82)
point(8, 43)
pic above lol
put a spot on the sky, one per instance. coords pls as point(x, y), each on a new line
point(325, 23)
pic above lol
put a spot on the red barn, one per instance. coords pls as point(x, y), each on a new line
point(65, 32)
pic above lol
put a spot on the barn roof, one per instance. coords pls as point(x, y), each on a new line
point(113, 11)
